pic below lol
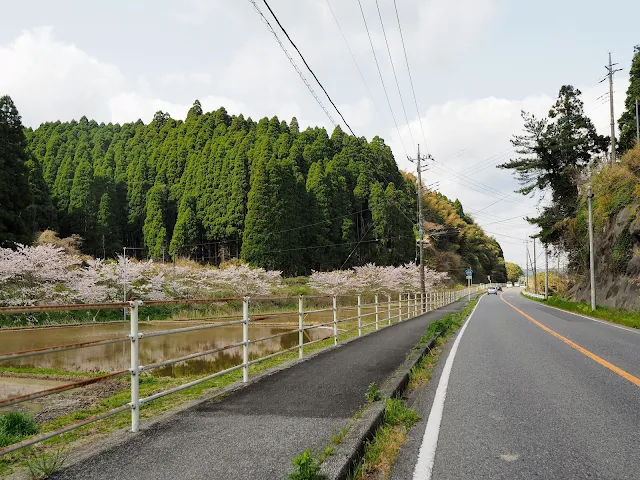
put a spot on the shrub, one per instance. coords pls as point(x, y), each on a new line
point(17, 424)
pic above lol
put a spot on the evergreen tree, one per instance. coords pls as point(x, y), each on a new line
point(154, 229)
point(555, 150)
point(107, 228)
point(16, 218)
point(82, 204)
point(185, 234)
point(627, 121)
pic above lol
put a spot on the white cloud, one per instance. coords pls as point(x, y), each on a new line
point(50, 79)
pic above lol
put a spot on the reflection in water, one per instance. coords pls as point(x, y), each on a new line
point(113, 357)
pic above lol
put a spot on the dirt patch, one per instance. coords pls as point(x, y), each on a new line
point(46, 409)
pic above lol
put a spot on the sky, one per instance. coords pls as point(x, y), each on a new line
point(475, 65)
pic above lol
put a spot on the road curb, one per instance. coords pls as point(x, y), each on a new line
point(339, 465)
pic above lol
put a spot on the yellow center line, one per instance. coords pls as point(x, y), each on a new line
point(626, 375)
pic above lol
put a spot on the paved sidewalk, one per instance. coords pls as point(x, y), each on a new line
point(256, 431)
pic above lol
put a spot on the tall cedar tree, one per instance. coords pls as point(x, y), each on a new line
point(16, 218)
point(555, 150)
point(154, 229)
point(627, 121)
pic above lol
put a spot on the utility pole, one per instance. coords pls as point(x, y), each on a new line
point(535, 261)
point(592, 273)
point(610, 72)
point(526, 265)
point(419, 167)
point(546, 272)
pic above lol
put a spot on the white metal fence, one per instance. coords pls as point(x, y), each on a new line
point(350, 317)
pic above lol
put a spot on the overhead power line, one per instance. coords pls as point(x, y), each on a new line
point(353, 57)
point(415, 101)
point(293, 63)
point(307, 65)
point(395, 76)
point(375, 57)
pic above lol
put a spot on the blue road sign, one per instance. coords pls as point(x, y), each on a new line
point(469, 272)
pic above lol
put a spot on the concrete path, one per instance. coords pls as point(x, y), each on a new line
point(524, 403)
point(255, 432)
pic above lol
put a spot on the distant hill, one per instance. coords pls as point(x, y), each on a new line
point(217, 186)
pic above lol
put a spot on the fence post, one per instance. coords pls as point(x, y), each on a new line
point(408, 306)
point(389, 309)
point(415, 304)
point(245, 339)
point(359, 317)
point(377, 312)
point(135, 373)
point(335, 320)
point(399, 307)
point(421, 303)
point(300, 325)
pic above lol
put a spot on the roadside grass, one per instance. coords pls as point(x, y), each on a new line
point(382, 451)
point(629, 318)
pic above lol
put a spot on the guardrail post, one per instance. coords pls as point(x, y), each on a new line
point(300, 326)
point(399, 307)
point(245, 339)
point(335, 320)
point(377, 312)
point(415, 304)
point(359, 317)
point(408, 306)
point(421, 303)
point(135, 373)
point(389, 309)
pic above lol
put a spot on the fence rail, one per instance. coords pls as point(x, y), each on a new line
point(385, 313)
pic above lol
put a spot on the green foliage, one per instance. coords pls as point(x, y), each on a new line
point(514, 271)
point(627, 121)
point(305, 467)
point(458, 243)
point(373, 393)
point(397, 413)
point(17, 424)
point(622, 250)
point(16, 216)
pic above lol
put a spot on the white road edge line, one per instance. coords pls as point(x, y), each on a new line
point(427, 454)
point(604, 322)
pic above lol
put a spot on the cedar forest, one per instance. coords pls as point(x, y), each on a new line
point(217, 186)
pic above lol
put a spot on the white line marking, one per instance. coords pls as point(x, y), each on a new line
point(604, 322)
point(427, 454)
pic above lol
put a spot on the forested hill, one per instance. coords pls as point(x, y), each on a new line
point(217, 186)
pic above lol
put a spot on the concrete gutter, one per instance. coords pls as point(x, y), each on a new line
point(534, 295)
point(339, 465)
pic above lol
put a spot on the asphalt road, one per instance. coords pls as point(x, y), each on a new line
point(255, 432)
point(522, 403)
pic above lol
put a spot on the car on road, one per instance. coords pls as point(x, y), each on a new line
point(499, 288)
point(492, 291)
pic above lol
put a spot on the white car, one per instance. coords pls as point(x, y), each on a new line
point(492, 291)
